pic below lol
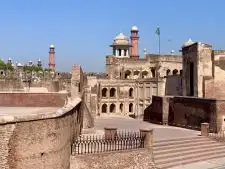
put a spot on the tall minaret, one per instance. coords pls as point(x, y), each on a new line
point(51, 63)
point(134, 42)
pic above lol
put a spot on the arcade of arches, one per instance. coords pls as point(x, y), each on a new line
point(136, 74)
point(112, 92)
point(112, 108)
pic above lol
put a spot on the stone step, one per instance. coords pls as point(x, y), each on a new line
point(182, 159)
point(179, 139)
point(185, 148)
point(182, 153)
point(179, 142)
point(180, 145)
point(188, 161)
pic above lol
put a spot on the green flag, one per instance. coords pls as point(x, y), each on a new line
point(157, 31)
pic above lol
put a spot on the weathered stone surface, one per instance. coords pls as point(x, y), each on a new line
point(136, 159)
point(188, 112)
point(18, 99)
point(40, 142)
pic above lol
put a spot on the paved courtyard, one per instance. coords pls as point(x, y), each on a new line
point(160, 132)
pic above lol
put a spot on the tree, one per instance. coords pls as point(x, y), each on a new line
point(4, 66)
point(32, 68)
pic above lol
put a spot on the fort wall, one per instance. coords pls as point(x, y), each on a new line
point(18, 99)
point(40, 142)
point(188, 112)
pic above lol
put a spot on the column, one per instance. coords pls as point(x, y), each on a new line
point(148, 137)
point(116, 52)
point(205, 129)
point(110, 133)
point(122, 52)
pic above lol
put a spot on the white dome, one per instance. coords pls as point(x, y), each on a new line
point(188, 43)
point(52, 46)
point(134, 28)
point(121, 36)
point(19, 64)
point(9, 58)
point(121, 39)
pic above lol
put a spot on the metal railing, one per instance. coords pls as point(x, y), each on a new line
point(219, 136)
point(100, 143)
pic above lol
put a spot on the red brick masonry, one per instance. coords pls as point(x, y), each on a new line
point(32, 99)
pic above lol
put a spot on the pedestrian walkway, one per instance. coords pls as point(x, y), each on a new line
point(218, 163)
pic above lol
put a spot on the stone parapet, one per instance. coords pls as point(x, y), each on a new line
point(38, 114)
point(26, 99)
point(40, 141)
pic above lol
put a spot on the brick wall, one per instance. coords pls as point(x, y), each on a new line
point(38, 144)
point(32, 99)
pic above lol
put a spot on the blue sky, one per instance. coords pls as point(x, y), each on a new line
point(82, 30)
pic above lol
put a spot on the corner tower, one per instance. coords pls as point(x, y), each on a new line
point(134, 42)
point(51, 63)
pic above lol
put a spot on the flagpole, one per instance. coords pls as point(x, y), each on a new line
point(157, 73)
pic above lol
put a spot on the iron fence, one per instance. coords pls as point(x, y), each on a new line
point(219, 136)
point(100, 143)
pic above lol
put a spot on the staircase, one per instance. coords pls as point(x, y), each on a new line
point(181, 151)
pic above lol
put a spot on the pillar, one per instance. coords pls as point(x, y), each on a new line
point(122, 52)
point(110, 132)
point(148, 140)
point(205, 129)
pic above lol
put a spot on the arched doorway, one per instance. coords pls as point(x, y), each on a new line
point(121, 108)
point(128, 74)
point(131, 92)
point(131, 107)
point(104, 108)
point(112, 108)
point(112, 92)
point(104, 92)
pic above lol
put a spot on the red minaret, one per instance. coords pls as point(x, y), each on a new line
point(51, 63)
point(134, 43)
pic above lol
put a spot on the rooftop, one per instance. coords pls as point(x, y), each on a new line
point(17, 114)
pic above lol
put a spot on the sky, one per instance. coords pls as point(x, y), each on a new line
point(82, 30)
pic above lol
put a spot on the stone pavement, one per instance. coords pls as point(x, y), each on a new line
point(209, 164)
point(125, 123)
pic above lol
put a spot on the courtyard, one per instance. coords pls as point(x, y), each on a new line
point(129, 124)
point(188, 147)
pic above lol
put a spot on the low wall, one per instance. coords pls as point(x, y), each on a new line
point(187, 112)
point(134, 159)
point(17, 99)
point(191, 112)
point(42, 141)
